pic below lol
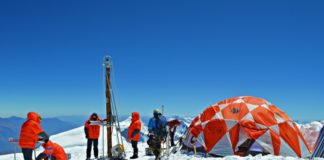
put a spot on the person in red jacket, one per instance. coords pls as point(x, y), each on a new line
point(52, 151)
point(134, 133)
point(29, 135)
point(92, 132)
point(173, 124)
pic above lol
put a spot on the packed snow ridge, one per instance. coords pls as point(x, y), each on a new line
point(74, 142)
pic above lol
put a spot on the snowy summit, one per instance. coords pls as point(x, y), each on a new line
point(74, 142)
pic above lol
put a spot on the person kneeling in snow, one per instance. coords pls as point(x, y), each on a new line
point(52, 151)
point(134, 133)
point(92, 133)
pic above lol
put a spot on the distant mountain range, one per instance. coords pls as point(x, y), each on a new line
point(10, 128)
point(79, 120)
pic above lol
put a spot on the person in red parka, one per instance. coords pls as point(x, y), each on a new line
point(134, 133)
point(52, 151)
point(173, 124)
point(92, 132)
point(30, 133)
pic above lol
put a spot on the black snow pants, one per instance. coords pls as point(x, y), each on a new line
point(28, 153)
point(172, 133)
point(95, 147)
point(135, 149)
point(155, 144)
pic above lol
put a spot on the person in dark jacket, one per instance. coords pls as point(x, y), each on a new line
point(29, 134)
point(134, 133)
point(173, 124)
point(157, 132)
point(92, 132)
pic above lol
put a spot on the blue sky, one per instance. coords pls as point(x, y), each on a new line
point(183, 54)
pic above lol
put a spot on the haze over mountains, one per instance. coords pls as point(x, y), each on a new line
point(10, 128)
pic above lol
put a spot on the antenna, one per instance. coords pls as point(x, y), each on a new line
point(162, 109)
point(107, 63)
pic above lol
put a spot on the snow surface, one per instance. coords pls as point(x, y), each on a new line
point(74, 142)
point(311, 132)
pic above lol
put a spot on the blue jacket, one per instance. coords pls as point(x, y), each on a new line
point(155, 125)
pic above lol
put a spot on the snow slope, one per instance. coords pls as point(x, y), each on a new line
point(74, 142)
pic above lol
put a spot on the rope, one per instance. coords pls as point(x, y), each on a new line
point(117, 118)
point(115, 112)
point(114, 109)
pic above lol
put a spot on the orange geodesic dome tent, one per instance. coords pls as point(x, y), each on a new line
point(223, 128)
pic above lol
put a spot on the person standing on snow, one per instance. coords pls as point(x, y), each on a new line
point(134, 133)
point(29, 135)
point(52, 151)
point(92, 133)
point(157, 132)
point(173, 124)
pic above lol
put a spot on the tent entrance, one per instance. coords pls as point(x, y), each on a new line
point(251, 147)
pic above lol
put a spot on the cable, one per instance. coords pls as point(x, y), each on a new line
point(115, 122)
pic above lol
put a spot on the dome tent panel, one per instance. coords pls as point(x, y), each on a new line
point(243, 121)
point(264, 116)
point(213, 132)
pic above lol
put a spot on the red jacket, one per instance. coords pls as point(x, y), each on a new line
point(54, 150)
point(135, 125)
point(174, 123)
point(93, 130)
point(30, 130)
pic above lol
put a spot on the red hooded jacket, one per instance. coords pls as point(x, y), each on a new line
point(174, 123)
point(54, 150)
point(135, 125)
point(93, 130)
point(30, 130)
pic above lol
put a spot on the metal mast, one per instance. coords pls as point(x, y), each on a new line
point(107, 64)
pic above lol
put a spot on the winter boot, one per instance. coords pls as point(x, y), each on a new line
point(135, 153)
point(157, 154)
point(135, 156)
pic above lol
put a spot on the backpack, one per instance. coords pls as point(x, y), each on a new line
point(160, 129)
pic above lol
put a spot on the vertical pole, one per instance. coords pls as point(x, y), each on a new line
point(103, 140)
point(107, 64)
point(35, 152)
point(15, 151)
point(162, 109)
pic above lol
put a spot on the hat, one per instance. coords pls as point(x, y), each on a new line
point(156, 111)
